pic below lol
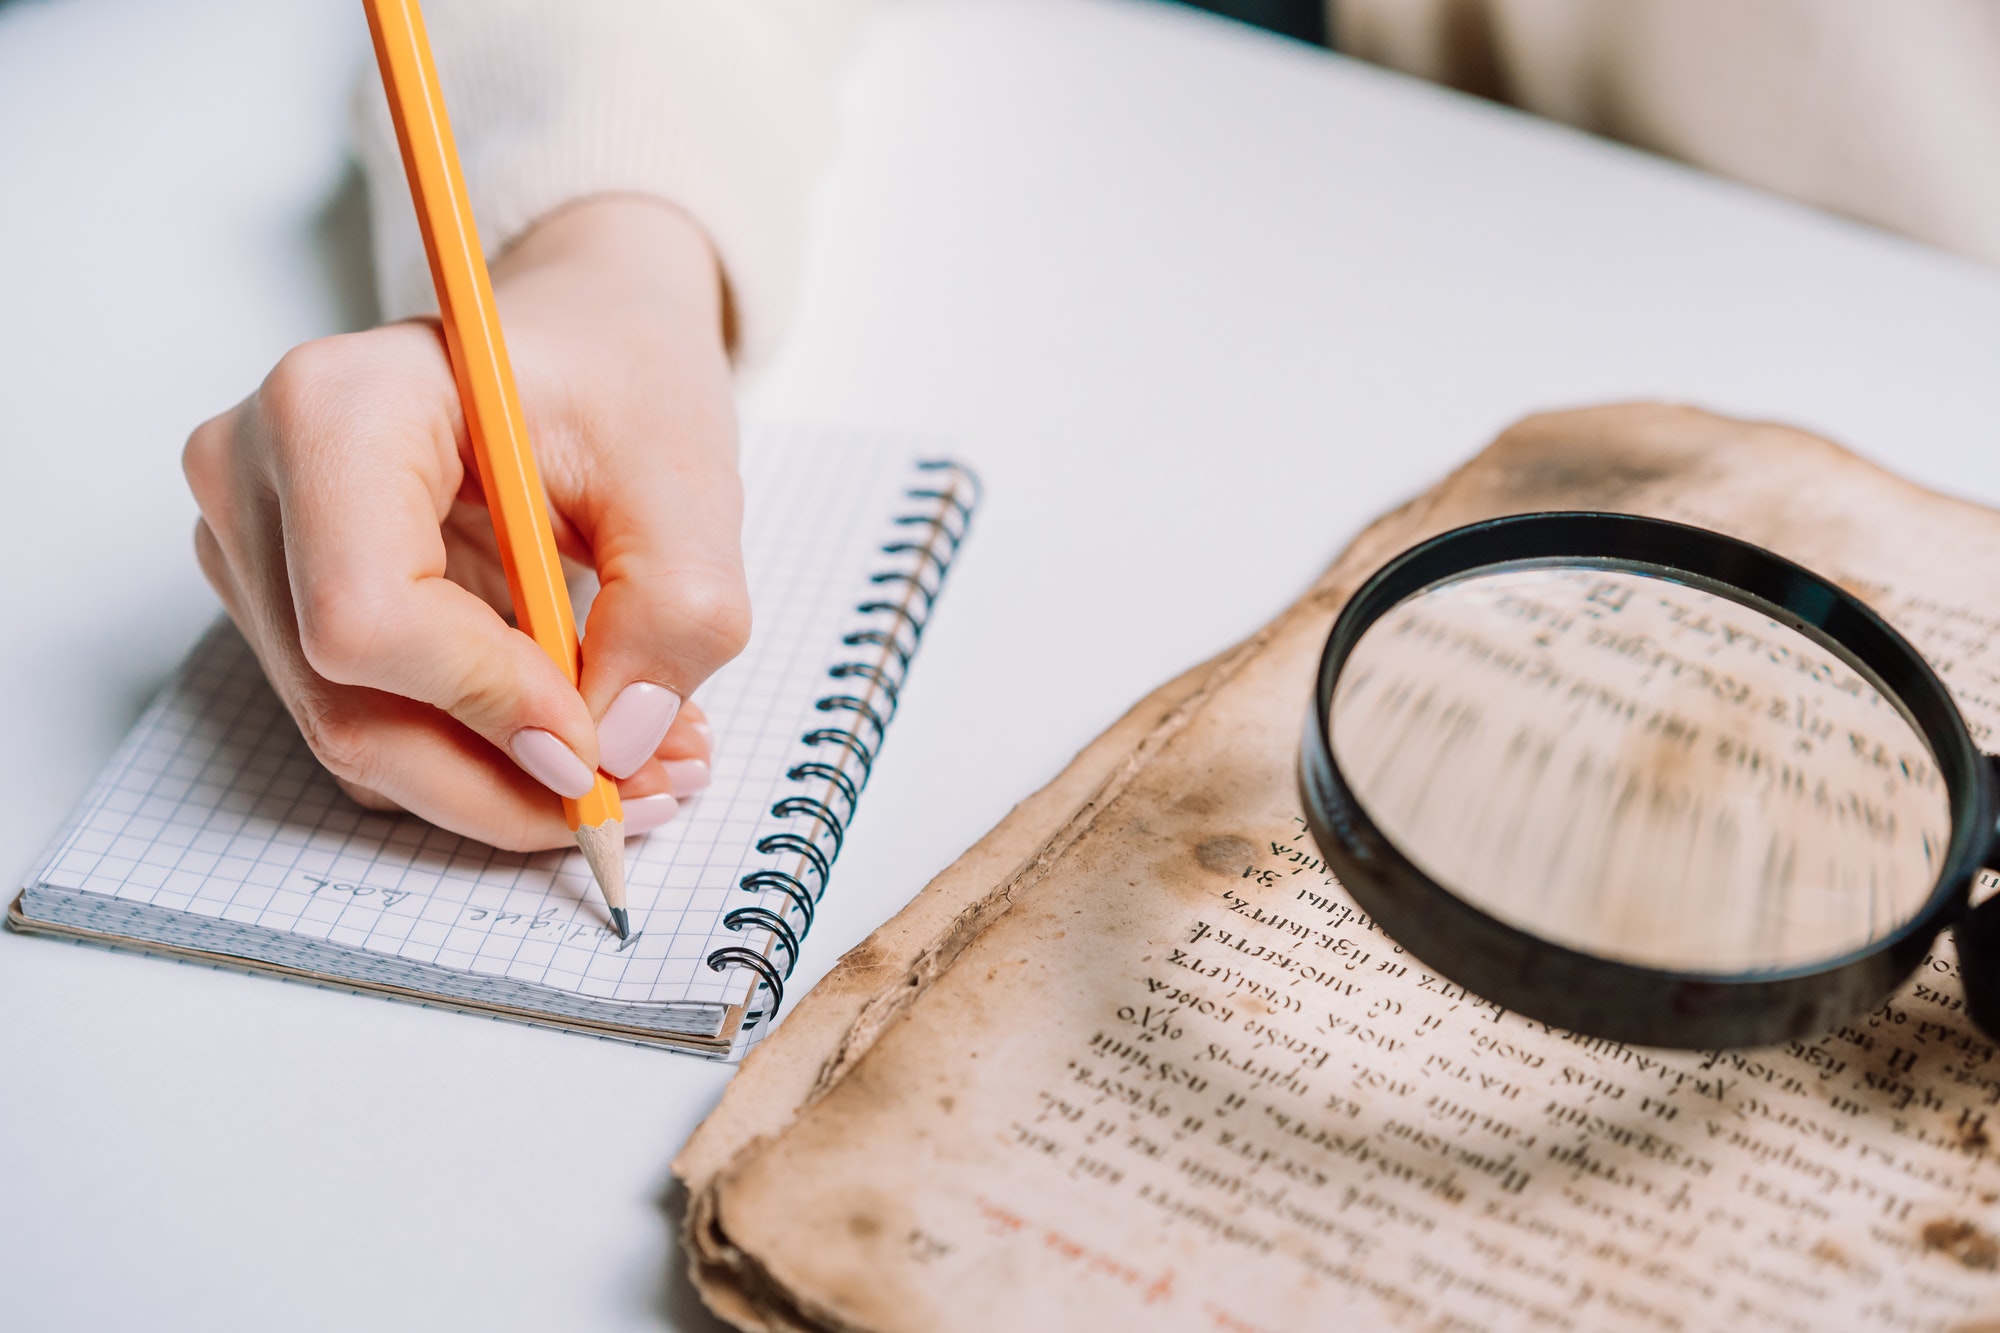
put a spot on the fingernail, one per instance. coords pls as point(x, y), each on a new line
point(643, 814)
point(685, 777)
point(634, 726)
point(551, 763)
point(706, 732)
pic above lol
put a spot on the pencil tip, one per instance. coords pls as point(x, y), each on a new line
point(603, 846)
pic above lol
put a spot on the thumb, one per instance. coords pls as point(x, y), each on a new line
point(672, 604)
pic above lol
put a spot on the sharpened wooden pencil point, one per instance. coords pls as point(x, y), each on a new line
point(603, 846)
point(494, 421)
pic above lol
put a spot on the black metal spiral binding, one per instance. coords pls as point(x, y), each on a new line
point(847, 703)
point(841, 782)
point(818, 810)
point(758, 963)
point(902, 613)
point(861, 753)
point(868, 671)
point(765, 918)
point(776, 881)
point(844, 757)
point(805, 847)
point(884, 640)
point(911, 581)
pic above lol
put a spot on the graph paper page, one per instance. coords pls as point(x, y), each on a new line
point(215, 808)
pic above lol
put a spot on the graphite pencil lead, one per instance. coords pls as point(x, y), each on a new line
point(621, 921)
point(603, 846)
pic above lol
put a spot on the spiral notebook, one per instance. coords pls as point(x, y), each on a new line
point(213, 833)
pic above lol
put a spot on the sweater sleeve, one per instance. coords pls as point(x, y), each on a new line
point(720, 106)
point(1889, 113)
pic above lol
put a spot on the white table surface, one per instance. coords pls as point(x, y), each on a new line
point(1197, 301)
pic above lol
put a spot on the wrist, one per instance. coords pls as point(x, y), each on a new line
point(616, 250)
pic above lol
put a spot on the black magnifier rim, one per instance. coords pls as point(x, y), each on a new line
point(1602, 997)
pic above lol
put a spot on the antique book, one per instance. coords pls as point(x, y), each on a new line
point(214, 835)
point(1136, 1060)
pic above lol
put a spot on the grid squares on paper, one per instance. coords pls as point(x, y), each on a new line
point(214, 807)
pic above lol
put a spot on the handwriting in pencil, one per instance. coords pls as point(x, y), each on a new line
point(390, 897)
point(548, 919)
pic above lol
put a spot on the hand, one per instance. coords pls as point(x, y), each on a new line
point(343, 526)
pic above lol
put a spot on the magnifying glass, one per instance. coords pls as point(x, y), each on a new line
point(1647, 782)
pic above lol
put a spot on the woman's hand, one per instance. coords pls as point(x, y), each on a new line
point(343, 525)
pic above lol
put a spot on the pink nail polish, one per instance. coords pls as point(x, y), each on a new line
point(685, 777)
point(634, 726)
point(643, 814)
point(551, 763)
point(706, 732)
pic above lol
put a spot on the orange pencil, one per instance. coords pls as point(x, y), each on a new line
point(493, 417)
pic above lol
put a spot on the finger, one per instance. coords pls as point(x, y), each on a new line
point(650, 780)
point(390, 753)
point(649, 798)
point(208, 553)
point(634, 726)
point(645, 813)
point(685, 754)
point(369, 799)
point(215, 567)
point(695, 718)
point(657, 791)
point(672, 606)
point(362, 482)
point(391, 756)
point(681, 765)
point(691, 737)
point(393, 753)
point(683, 777)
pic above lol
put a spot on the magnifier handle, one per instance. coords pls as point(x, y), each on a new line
point(1977, 935)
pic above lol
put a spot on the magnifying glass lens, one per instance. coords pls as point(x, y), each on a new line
point(1641, 769)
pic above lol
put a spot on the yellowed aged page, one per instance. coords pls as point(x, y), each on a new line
point(811, 1045)
point(835, 1023)
point(1180, 1082)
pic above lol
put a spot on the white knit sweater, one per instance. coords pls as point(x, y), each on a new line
point(1888, 110)
point(718, 105)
